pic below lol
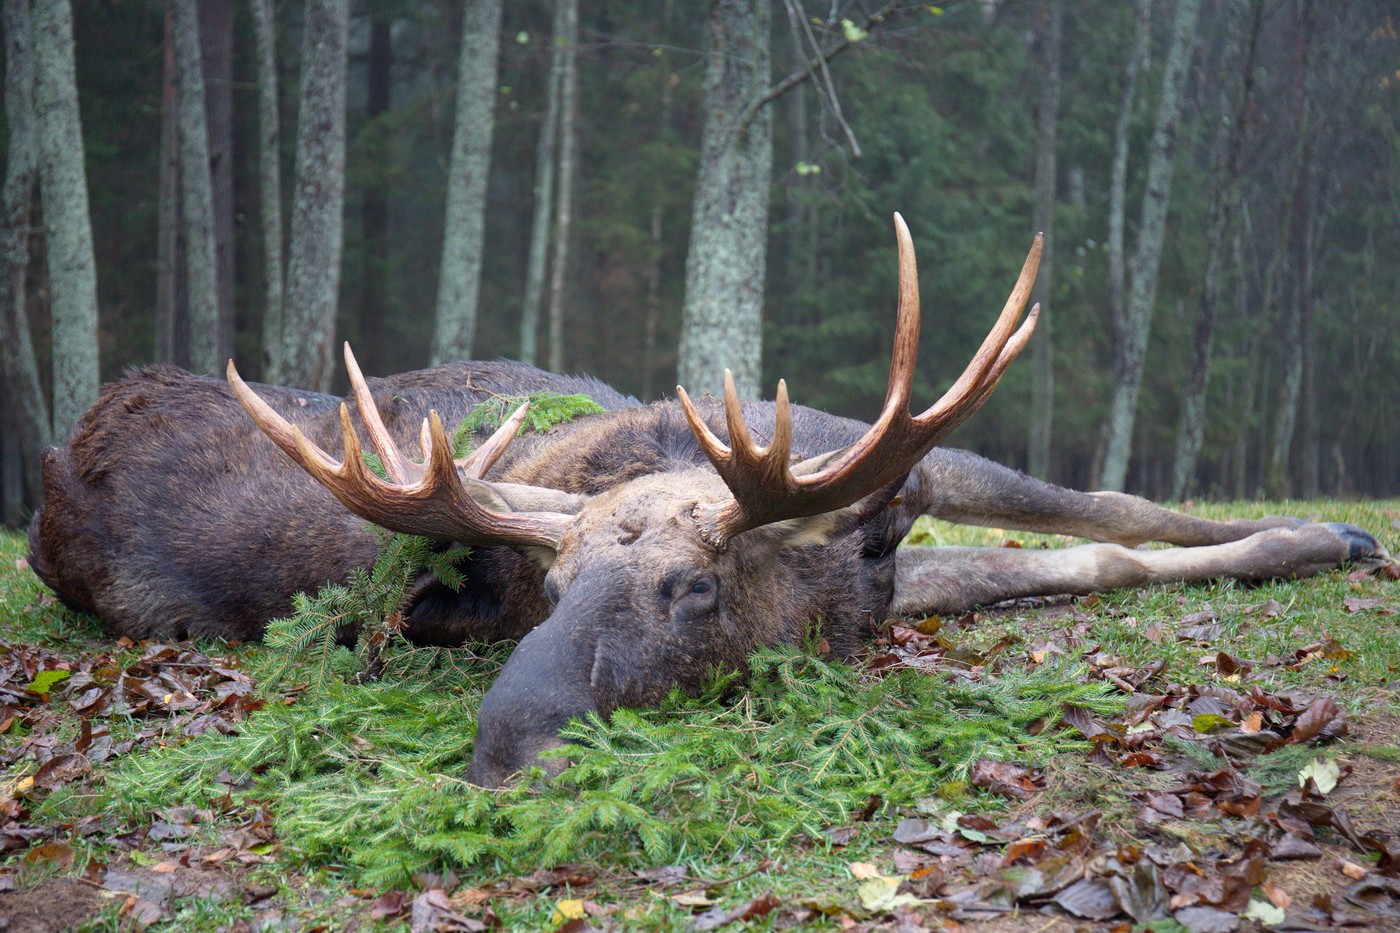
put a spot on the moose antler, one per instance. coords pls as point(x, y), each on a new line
point(767, 489)
point(430, 498)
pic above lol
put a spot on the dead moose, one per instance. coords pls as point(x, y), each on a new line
point(628, 551)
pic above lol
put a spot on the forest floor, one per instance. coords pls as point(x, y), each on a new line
point(1208, 757)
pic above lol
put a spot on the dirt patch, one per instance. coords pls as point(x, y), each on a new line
point(54, 905)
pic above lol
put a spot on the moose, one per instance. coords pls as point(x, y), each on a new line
point(628, 551)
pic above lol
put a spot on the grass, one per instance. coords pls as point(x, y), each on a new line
point(365, 781)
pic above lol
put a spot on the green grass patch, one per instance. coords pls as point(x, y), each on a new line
point(369, 777)
point(365, 781)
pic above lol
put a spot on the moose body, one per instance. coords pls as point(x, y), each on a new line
point(628, 551)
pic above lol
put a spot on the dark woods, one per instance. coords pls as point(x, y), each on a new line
point(1274, 279)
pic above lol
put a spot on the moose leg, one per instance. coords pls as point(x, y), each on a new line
point(954, 579)
point(962, 487)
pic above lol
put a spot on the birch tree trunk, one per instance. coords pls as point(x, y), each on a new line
point(1130, 355)
point(269, 180)
point(313, 268)
point(546, 155)
point(722, 317)
point(18, 366)
point(197, 193)
point(1236, 77)
point(568, 157)
point(1118, 193)
point(63, 185)
point(459, 283)
point(1043, 356)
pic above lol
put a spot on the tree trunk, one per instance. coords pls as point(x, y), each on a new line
point(1297, 318)
point(172, 344)
point(1118, 195)
point(1131, 353)
point(722, 318)
point(374, 208)
point(216, 52)
point(270, 180)
point(459, 284)
point(313, 269)
point(1047, 117)
point(197, 200)
point(545, 158)
point(568, 157)
point(19, 370)
point(1237, 76)
point(63, 184)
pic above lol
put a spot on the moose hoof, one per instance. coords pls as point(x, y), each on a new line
point(1361, 544)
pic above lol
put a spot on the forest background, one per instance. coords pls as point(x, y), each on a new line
point(1217, 181)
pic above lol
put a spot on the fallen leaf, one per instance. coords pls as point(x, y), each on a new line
point(1091, 898)
point(1265, 912)
point(714, 919)
point(880, 894)
point(1352, 870)
point(570, 909)
point(1207, 920)
point(1323, 774)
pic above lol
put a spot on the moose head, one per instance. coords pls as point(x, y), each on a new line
point(659, 577)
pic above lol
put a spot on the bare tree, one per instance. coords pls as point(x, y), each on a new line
point(313, 268)
point(459, 283)
point(19, 370)
point(63, 185)
point(1118, 191)
point(270, 176)
point(545, 159)
point(1237, 75)
point(1130, 353)
point(722, 318)
point(1048, 35)
point(197, 193)
point(564, 205)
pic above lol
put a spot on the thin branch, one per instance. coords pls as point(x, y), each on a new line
point(797, 77)
point(795, 15)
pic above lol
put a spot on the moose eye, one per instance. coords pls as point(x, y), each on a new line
point(702, 587)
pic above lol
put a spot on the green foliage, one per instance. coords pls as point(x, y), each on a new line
point(367, 776)
point(547, 409)
point(370, 604)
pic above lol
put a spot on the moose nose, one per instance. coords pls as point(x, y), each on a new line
point(547, 681)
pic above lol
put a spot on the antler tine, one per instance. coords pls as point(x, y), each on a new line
point(395, 463)
point(476, 463)
point(766, 489)
point(906, 330)
point(282, 432)
point(990, 353)
point(713, 447)
point(438, 502)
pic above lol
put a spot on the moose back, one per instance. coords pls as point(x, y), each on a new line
point(628, 551)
